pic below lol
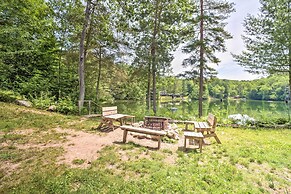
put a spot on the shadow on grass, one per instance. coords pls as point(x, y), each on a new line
point(130, 145)
point(189, 149)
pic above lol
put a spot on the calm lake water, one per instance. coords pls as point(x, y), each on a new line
point(189, 110)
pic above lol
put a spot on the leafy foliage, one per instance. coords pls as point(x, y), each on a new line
point(9, 96)
point(268, 40)
point(215, 14)
point(27, 46)
point(66, 105)
point(271, 88)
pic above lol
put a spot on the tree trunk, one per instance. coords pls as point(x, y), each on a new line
point(149, 88)
point(99, 73)
point(289, 50)
point(289, 72)
point(82, 57)
point(153, 52)
point(59, 75)
point(201, 66)
point(158, 12)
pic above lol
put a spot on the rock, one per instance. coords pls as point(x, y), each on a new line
point(235, 117)
point(176, 137)
point(174, 126)
point(172, 134)
point(135, 124)
point(241, 119)
point(139, 124)
point(52, 108)
point(23, 103)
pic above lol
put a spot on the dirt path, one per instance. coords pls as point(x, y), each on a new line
point(82, 145)
point(85, 146)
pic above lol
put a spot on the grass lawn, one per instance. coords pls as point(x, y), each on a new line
point(247, 161)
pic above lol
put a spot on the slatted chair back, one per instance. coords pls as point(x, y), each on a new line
point(109, 110)
point(212, 121)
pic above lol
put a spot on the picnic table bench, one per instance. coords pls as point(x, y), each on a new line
point(203, 130)
point(110, 115)
point(142, 130)
point(190, 135)
point(207, 128)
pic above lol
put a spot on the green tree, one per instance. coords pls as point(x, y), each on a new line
point(85, 35)
point(67, 17)
point(202, 46)
point(155, 27)
point(28, 47)
point(103, 46)
point(268, 39)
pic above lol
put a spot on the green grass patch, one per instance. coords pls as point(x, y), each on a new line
point(247, 161)
point(78, 161)
point(14, 117)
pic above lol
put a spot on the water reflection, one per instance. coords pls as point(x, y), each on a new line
point(189, 110)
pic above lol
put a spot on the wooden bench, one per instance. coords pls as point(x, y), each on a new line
point(191, 135)
point(127, 128)
point(109, 115)
point(153, 122)
point(208, 128)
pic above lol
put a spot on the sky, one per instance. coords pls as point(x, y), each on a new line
point(228, 68)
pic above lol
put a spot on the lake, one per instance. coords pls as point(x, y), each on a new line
point(259, 110)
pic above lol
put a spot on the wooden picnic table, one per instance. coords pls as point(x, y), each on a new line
point(110, 115)
point(208, 128)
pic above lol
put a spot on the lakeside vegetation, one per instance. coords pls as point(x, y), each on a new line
point(247, 161)
point(274, 88)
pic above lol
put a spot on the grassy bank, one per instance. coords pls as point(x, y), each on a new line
point(247, 161)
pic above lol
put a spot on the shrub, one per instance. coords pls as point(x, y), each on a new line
point(9, 96)
point(67, 106)
point(43, 101)
point(281, 121)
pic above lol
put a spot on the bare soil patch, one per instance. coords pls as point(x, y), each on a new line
point(85, 146)
point(82, 145)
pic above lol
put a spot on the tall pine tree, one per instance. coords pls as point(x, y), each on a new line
point(205, 37)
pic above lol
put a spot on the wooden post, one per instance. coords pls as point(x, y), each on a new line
point(124, 135)
point(89, 107)
point(79, 106)
point(200, 144)
point(217, 140)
